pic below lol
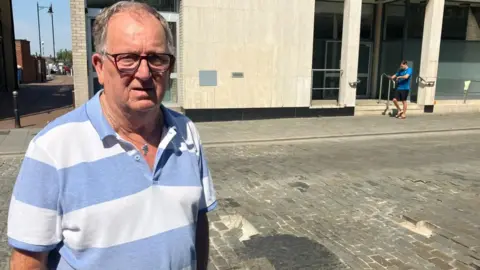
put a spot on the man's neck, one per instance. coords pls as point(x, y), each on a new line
point(144, 124)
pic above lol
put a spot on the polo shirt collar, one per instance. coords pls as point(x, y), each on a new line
point(97, 117)
point(104, 129)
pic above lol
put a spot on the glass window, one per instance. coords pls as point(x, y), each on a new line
point(92, 21)
point(163, 5)
point(96, 85)
point(455, 23)
point(171, 94)
point(160, 5)
point(329, 21)
point(394, 21)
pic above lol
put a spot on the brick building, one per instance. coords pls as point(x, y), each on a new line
point(280, 58)
point(33, 68)
point(8, 67)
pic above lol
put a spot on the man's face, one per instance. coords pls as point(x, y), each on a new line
point(403, 66)
point(140, 33)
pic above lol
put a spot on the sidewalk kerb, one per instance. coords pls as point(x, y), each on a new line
point(337, 136)
point(281, 140)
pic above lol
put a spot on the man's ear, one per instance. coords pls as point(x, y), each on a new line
point(97, 62)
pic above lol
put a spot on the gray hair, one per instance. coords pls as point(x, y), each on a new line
point(101, 23)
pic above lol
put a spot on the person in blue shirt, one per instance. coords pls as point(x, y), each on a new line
point(403, 78)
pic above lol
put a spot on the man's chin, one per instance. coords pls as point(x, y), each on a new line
point(144, 106)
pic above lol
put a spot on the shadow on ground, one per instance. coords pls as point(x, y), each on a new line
point(291, 252)
point(38, 97)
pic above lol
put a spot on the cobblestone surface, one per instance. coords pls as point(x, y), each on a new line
point(337, 204)
point(341, 204)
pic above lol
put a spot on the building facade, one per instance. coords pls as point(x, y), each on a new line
point(279, 58)
point(8, 66)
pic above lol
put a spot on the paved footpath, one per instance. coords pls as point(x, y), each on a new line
point(38, 103)
point(15, 141)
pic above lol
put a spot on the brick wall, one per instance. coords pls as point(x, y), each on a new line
point(79, 51)
point(26, 61)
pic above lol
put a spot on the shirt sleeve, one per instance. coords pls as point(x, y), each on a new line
point(33, 217)
point(209, 201)
point(409, 72)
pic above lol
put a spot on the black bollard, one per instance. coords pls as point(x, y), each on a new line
point(15, 110)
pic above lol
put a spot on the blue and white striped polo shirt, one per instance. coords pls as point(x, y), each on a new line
point(89, 194)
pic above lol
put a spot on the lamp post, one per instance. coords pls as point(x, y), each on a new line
point(50, 10)
point(38, 21)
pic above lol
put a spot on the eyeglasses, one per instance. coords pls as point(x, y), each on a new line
point(128, 63)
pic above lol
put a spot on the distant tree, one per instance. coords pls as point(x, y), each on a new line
point(65, 56)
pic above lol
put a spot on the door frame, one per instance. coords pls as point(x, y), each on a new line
point(369, 44)
point(92, 13)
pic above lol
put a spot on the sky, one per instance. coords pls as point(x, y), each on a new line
point(26, 27)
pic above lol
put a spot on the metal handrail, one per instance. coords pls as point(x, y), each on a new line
point(466, 89)
point(428, 83)
point(324, 89)
point(389, 88)
point(325, 70)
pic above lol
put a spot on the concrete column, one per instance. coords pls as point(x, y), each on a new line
point(473, 28)
point(79, 51)
point(432, 33)
point(352, 14)
point(376, 48)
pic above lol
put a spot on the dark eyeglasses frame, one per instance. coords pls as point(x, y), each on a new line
point(141, 57)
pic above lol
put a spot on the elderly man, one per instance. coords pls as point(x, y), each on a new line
point(121, 182)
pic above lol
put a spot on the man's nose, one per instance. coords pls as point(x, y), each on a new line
point(143, 71)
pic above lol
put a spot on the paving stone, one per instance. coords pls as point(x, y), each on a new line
point(375, 266)
point(220, 226)
point(380, 260)
point(422, 246)
point(441, 255)
point(440, 264)
point(461, 266)
point(422, 253)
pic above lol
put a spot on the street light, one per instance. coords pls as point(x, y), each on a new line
point(50, 10)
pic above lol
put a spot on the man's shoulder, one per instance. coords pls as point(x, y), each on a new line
point(180, 121)
point(77, 115)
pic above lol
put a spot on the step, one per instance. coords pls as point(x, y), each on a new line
point(387, 113)
point(382, 107)
point(456, 108)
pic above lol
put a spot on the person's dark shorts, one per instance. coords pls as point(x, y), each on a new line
point(401, 95)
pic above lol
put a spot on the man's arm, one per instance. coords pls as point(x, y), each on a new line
point(33, 217)
point(406, 76)
point(202, 243)
point(26, 260)
point(208, 203)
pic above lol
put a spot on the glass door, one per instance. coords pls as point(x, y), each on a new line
point(94, 86)
point(364, 58)
point(333, 51)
